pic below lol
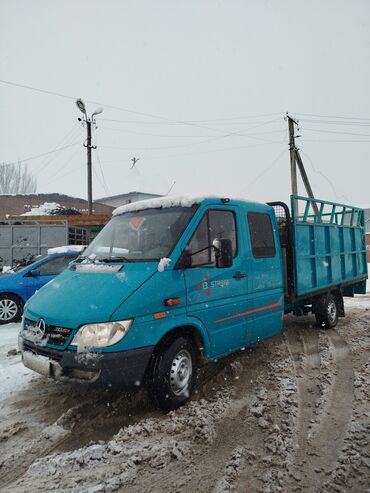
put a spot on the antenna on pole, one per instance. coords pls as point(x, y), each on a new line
point(171, 187)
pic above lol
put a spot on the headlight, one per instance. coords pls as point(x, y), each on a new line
point(101, 335)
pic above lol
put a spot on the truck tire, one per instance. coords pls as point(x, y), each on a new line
point(326, 311)
point(11, 308)
point(173, 374)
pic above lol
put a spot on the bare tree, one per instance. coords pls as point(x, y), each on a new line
point(15, 178)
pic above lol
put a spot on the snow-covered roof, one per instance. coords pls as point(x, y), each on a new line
point(44, 209)
point(175, 201)
point(66, 249)
point(157, 203)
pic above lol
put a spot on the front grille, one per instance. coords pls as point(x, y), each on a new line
point(55, 354)
point(55, 335)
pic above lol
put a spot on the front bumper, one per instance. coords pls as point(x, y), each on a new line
point(126, 368)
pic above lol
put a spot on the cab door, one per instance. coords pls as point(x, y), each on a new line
point(216, 296)
point(266, 288)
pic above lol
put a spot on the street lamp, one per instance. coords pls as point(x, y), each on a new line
point(81, 106)
point(97, 111)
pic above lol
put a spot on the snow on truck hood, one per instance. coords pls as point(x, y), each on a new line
point(77, 297)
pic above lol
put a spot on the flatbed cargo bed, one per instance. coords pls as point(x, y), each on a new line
point(323, 247)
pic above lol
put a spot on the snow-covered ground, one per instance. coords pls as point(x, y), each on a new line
point(13, 375)
point(299, 399)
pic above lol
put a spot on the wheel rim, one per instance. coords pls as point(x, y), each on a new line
point(181, 372)
point(8, 309)
point(332, 311)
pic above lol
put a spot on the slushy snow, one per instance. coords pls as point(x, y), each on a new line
point(163, 263)
point(13, 375)
point(94, 267)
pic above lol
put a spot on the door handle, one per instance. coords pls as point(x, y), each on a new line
point(239, 275)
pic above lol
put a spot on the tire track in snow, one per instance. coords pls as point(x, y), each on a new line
point(304, 349)
point(322, 422)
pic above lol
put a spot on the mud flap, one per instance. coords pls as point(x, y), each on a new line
point(340, 304)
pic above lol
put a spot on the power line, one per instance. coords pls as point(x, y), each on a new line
point(337, 123)
point(236, 118)
point(220, 121)
point(43, 154)
point(265, 170)
point(335, 132)
point(66, 96)
point(98, 178)
point(44, 91)
point(336, 141)
point(99, 162)
point(177, 146)
point(174, 122)
point(68, 173)
point(71, 135)
point(197, 153)
point(124, 130)
point(230, 134)
point(140, 113)
point(65, 165)
point(325, 177)
point(338, 117)
point(150, 115)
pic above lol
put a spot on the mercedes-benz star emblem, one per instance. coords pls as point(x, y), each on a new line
point(41, 327)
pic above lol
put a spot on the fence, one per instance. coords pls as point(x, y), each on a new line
point(21, 241)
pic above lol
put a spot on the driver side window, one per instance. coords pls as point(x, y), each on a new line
point(200, 241)
point(214, 224)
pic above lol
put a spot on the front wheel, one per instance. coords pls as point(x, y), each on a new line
point(326, 312)
point(173, 374)
point(10, 309)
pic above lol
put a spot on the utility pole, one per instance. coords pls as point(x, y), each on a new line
point(295, 159)
point(89, 166)
point(88, 121)
point(292, 150)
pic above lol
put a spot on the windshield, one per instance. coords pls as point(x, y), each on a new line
point(26, 262)
point(146, 235)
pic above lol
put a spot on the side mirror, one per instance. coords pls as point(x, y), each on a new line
point(223, 252)
point(34, 273)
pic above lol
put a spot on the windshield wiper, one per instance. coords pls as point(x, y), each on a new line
point(114, 259)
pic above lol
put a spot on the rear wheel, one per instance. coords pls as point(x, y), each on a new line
point(173, 374)
point(326, 311)
point(10, 308)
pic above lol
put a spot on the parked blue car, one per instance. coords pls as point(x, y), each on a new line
point(20, 283)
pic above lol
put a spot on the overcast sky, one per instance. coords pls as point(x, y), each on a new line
point(196, 89)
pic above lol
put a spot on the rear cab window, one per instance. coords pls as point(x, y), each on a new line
point(261, 235)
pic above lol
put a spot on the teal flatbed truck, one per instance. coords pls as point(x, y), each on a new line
point(172, 283)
